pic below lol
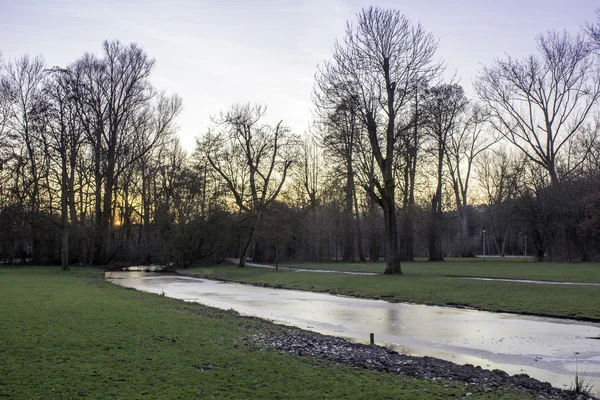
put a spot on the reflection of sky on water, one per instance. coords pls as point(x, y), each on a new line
point(544, 348)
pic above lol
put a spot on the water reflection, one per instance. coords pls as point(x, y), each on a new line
point(547, 349)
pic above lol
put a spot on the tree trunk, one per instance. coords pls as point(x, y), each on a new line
point(361, 253)
point(348, 255)
point(258, 254)
point(253, 221)
point(538, 243)
point(435, 246)
point(64, 210)
point(64, 247)
point(107, 207)
point(407, 234)
point(244, 249)
point(99, 231)
point(435, 229)
point(464, 234)
point(374, 249)
point(145, 237)
point(392, 263)
point(407, 243)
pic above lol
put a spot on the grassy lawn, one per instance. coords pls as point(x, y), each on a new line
point(72, 335)
point(429, 283)
point(507, 268)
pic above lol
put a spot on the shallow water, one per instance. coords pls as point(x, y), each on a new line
point(545, 348)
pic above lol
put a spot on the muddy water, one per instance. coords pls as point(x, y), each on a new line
point(547, 349)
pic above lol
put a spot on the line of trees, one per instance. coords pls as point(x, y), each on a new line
point(398, 164)
point(77, 145)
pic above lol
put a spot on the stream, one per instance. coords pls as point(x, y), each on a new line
point(547, 349)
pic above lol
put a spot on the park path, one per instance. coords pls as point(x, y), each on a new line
point(257, 265)
point(331, 271)
point(474, 278)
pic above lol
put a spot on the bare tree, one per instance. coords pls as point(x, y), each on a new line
point(70, 142)
point(469, 141)
point(307, 188)
point(24, 82)
point(593, 31)
point(252, 158)
point(310, 171)
point(277, 232)
point(542, 103)
point(443, 107)
point(5, 108)
point(410, 143)
point(63, 140)
point(379, 60)
point(4, 105)
point(340, 135)
point(152, 129)
point(501, 176)
point(123, 119)
point(125, 85)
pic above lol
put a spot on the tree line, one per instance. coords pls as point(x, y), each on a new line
point(398, 163)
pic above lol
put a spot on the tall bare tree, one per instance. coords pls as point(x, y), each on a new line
point(501, 176)
point(410, 144)
point(253, 159)
point(377, 63)
point(5, 106)
point(124, 119)
point(63, 140)
point(443, 107)
point(309, 173)
point(307, 188)
point(542, 103)
point(471, 138)
point(341, 138)
point(25, 80)
point(593, 31)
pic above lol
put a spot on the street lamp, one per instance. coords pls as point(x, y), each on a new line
point(483, 243)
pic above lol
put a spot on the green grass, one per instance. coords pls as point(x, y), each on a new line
point(71, 335)
point(429, 283)
point(507, 268)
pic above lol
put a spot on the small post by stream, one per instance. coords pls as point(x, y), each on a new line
point(372, 338)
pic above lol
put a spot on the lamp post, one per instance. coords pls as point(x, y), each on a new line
point(483, 243)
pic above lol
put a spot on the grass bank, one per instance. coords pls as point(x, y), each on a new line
point(438, 284)
point(72, 335)
point(504, 268)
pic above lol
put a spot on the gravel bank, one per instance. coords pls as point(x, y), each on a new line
point(376, 358)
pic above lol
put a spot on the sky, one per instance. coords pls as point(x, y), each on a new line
point(215, 53)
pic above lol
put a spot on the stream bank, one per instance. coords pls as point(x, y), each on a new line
point(542, 348)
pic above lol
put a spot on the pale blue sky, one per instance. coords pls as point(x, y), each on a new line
point(216, 53)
